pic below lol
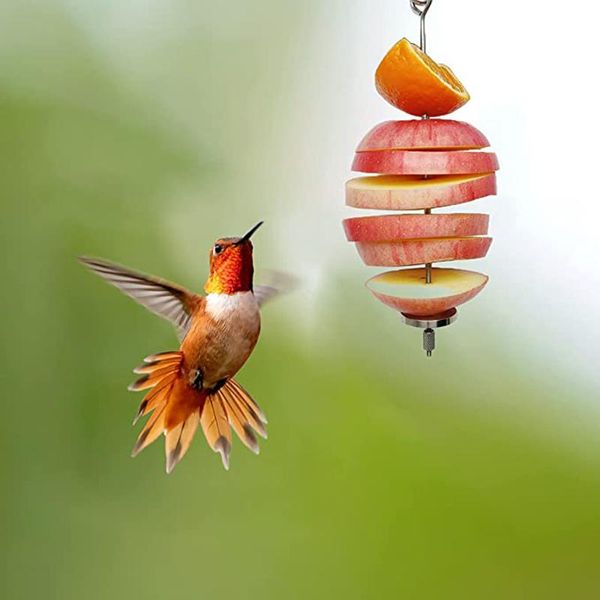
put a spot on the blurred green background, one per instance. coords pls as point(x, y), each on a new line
point(141, 131)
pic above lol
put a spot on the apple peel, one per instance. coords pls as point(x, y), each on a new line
point(404, 253)
point(423, 134)
point(407, 292)
point(389, 228)
point(411, 192)
point(409, 162)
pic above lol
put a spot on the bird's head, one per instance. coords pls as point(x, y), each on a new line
point(231, 266)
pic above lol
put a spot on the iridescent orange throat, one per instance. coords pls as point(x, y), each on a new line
point(232, 272)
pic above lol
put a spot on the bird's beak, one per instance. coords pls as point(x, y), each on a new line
point(250, 233)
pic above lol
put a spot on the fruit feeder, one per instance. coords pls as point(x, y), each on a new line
point(421, 165)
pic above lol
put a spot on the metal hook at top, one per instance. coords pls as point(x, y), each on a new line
point(420, 7)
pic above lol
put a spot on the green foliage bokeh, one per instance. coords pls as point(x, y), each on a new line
point(384, 475)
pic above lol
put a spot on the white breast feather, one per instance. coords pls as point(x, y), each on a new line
point(237, 317)
point(242, 305)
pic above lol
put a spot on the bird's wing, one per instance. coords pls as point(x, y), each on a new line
point(277, 283)
point(165, 299)
point(262, 293)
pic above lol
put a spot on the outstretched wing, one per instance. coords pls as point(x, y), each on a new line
point(167, 300)
point(277, 283)
point(262, 293)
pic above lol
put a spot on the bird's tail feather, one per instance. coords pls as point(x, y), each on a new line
point(216, 427)
point(177, 409)
point(179, 439)
point(232, 407)
point(160, 373)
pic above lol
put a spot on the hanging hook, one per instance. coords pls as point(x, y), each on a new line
point(420, 7)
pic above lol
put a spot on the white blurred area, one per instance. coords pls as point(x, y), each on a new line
point(532, 73)
point(531, 70)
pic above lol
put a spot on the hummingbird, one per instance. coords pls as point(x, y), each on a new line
point(195, 384)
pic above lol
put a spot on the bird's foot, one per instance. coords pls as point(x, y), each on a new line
point(215, 388)
point(197, 379)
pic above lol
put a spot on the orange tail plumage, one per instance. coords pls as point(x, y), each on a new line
point(177, 409)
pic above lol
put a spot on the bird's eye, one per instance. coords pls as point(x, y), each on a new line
point(218, 249)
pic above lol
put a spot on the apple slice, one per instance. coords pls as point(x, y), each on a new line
point(417, 252)
point(407, 292)
point(411, 192)
point(389, 228)
point(423, 134)
point(409, 162)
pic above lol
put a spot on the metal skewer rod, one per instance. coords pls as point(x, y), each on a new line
point(420, 7)
point(430, 323)
point(428, 266)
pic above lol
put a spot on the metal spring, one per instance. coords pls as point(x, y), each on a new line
point(421, 7)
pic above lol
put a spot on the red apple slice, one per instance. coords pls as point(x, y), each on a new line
point(411, 192)
point(423, 134)
point(389, 228)
point(407, 292)
point(417, 252)
point(408, 162)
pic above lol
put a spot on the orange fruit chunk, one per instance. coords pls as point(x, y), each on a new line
point(411, 81)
